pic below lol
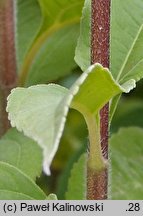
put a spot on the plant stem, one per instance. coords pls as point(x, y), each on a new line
point(97, 183)
point(7, 58)
point(96, 163)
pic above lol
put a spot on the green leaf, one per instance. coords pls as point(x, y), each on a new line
point(13, 180)
point(21, 152)
point(83, 53)
point(96, 79)
point(54, 59)
point(129, 113)
point(32, 111)
point(126, 46)
point(56, 40)
point(126, 164)
point(133, 65)
point(10, 195)
point(126, 59)
point(84, 94)
point(63, 179)
point(59, 11)
point(77, 181)
point(40, 111)
point(89, 94)
point(71, 140)
point(28, 21)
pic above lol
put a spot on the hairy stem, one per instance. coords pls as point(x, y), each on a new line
point(96, 163)
point(7, 59)
point(97, 182)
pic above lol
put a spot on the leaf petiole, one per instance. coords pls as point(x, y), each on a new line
point(96, 161)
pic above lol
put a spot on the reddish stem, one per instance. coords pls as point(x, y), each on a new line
point(100, 36)
point(7, 58)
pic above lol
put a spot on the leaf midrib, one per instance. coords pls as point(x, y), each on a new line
point(66, 9)
point(57, 25)
point(128, 55)
point(32, 53)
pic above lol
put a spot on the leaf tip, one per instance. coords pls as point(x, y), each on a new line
point(46, 168)
point(129, 85)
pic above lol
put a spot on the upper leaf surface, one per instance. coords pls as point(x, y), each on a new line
point(77, 181)
point(126, 40)
point(59, 11)
point(126, 34)
point(92, 90)
point(96, 83)
point(40, 111)
point(59, 29)
point(21, 152)
point(10, 195)
point(54, 58)
point(133, 65)
point(83, 53)
point(126, 59)
point(128, 114)
point(13, 180)
point(126, 162)
point(28, 21)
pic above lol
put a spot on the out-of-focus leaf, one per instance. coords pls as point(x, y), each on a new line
point(13, 180)
point(128, 113)
point(72, 140)
point(83, 49)
point(28, 21)
point(63, 179)
point(21, 152)
point(77, 181)
point(58, 11)
point(126, 164)
point(56, 40)
point(54, 58)
point(10, 195)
